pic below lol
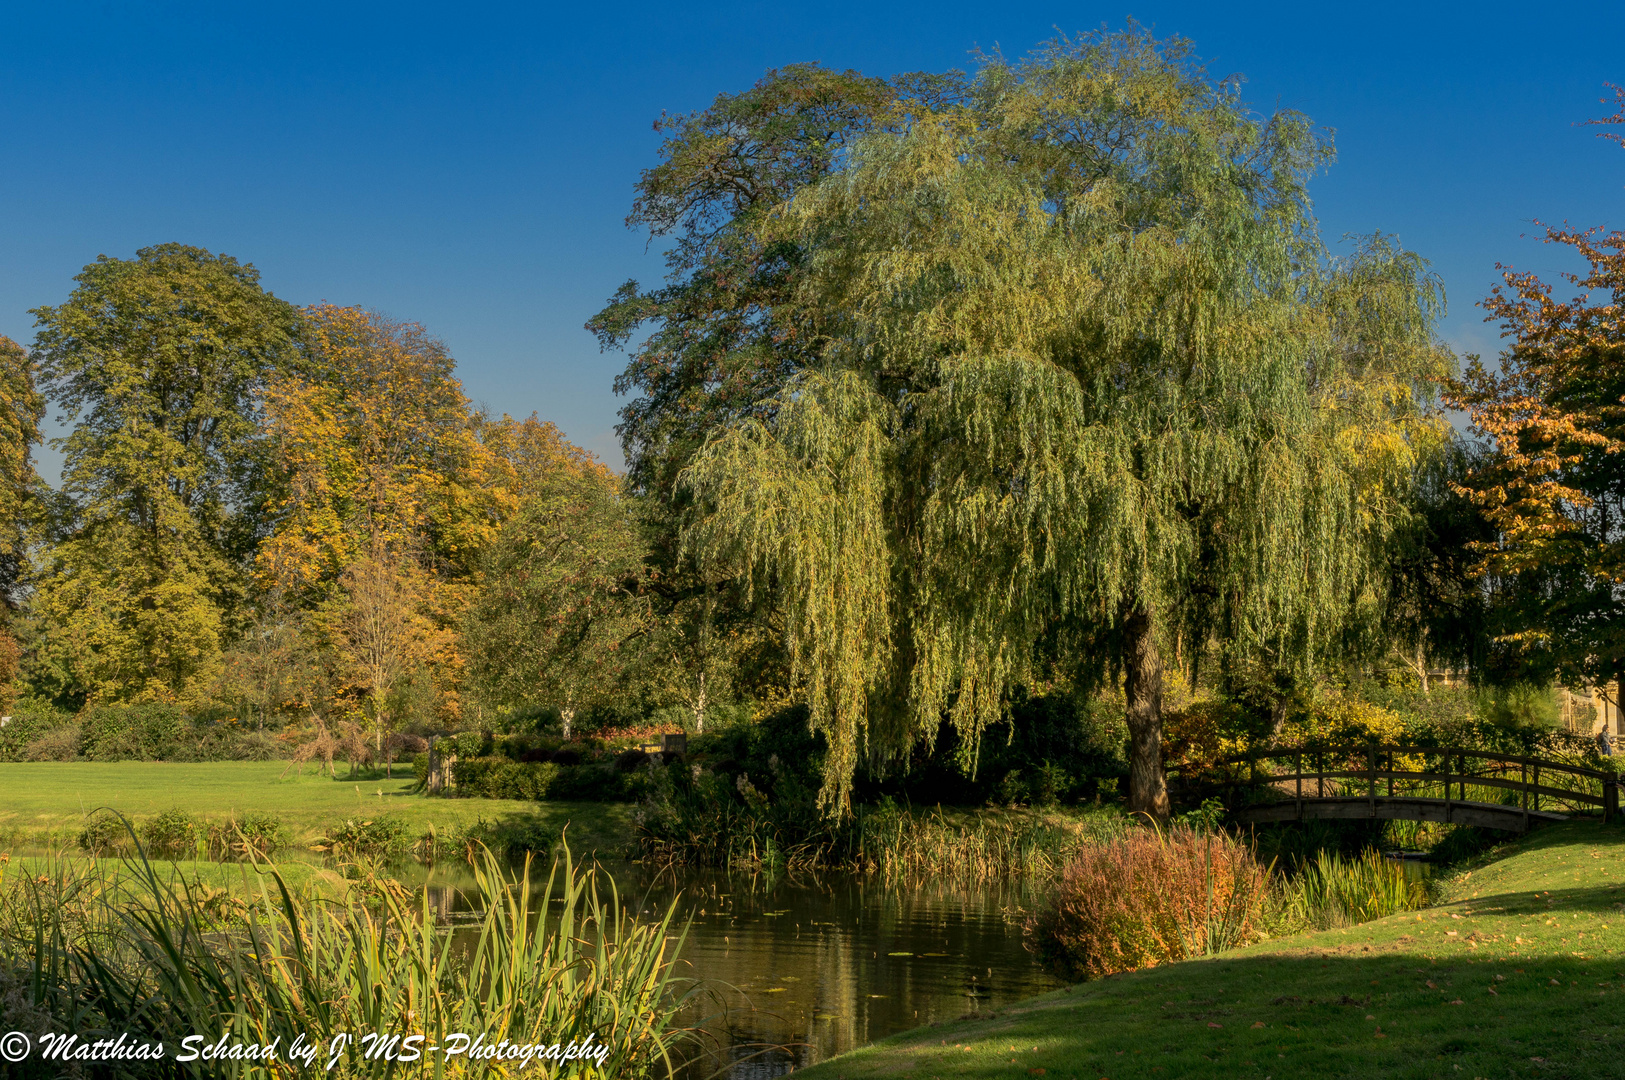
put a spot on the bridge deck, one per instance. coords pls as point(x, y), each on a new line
point(1447, 811)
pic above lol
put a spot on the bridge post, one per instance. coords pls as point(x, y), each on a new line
point(1299, 771)
point(1610, 800)
point(1444, 760)
point(1371, 776)
point(1523, 778)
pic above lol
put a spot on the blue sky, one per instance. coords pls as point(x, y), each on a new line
point(469, 167)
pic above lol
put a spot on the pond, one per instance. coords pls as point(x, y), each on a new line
point(799, 968)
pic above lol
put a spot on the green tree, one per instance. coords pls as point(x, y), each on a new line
point(1080, 352)
point(726, 329)
point(160, 362)
point(21, 409)
point(559, 613)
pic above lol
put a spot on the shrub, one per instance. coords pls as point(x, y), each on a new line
point(499, 778)
point(1051, 785)
point(1147, 899)
point(256, 835)
point(105, 833)
point(375, 838)
point(149, 732)
point(219, 742)
point(171, 835)
point(57, 744)
point(1013, 788)
point(1520, 705)
point(588, 783)
point(32, 721)
point(470, 744)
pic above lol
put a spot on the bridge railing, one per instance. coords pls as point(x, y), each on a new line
point(1381, 770)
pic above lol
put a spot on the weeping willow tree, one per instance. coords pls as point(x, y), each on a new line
point(1082, 360)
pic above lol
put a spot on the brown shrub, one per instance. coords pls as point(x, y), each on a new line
point(1148, 898)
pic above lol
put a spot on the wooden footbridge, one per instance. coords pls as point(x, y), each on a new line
point(1452, 785)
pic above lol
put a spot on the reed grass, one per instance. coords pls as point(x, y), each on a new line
point(1333, 891)
point(975, 849)
point(164, 958)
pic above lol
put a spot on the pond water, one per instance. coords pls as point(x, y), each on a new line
point(801, 969)
point(798, 968)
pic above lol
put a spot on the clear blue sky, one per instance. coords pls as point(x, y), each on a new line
point(469, 166)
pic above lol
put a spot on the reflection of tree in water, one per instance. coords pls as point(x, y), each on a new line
point(801, 968)
point(798, 968)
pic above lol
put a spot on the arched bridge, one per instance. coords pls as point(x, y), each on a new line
point(1453, 785)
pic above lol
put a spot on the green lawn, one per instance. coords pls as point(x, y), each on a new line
point(1521, 973)
point(43, 804)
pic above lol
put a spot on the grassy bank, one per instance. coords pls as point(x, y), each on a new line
point(43, 804)
point(1521, 972)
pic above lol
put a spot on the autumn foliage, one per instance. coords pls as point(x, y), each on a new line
point(1148, 898)
point(1553, 485)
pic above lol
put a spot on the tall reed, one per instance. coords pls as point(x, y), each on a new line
point(164, 959)
point(976, 849)
point(1333, 891)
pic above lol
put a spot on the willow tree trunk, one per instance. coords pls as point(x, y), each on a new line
point(1142, 686)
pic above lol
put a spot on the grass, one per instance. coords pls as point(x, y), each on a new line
point(977, 846)
point(1520, 972)
point(555, 961)
point(43, 804)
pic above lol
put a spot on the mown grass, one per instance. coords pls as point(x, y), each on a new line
point(1520, 972)
point(43, 804)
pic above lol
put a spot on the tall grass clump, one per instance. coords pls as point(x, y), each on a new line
point(1333, 891)
point(1147, 898)
point(975, 849)
point(165, 959)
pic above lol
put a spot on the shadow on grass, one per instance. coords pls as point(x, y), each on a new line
point(1515, 990)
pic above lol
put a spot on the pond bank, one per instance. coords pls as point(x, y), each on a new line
point(1524, 963)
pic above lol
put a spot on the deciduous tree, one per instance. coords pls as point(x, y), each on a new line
point(561, 605)
point(160, 362)
point(1075, 336)
point(1554, 483)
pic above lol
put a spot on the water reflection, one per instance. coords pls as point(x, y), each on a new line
point(801, 968)
point(796, 969)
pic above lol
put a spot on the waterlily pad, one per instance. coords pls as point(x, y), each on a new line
point(899, 954)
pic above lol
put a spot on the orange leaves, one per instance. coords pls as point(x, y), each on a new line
point(377, 443)
point(1554, 415)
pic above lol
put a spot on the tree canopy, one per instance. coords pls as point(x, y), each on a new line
point(162, 360)
point(1553, 483)
point(1082, 360)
